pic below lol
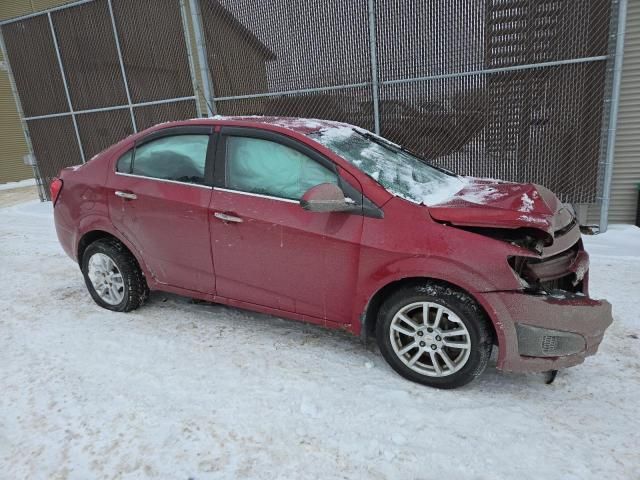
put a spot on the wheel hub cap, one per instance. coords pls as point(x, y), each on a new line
point(430, 339)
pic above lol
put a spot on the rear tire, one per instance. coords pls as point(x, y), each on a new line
point(447, 351)
point(113, 277)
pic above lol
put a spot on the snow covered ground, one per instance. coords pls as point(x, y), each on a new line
point(179, 390)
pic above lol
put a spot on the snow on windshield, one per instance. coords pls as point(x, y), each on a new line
point(399, 172)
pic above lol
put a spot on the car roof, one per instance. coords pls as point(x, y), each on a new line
point(304, 126)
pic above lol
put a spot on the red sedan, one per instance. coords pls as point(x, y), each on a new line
point(327, 223)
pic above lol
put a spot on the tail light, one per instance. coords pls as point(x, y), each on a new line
point(55, 188)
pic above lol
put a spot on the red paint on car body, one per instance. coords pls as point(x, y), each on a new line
point(326, 268)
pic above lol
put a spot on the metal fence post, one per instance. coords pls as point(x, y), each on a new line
point(187, 41)
point(66, 87)
point(373, 44)
point(124, 74)
point(205, 77)
point(613, 116)
point(25, 127)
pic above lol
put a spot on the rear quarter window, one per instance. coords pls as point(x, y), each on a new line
point(124, 162)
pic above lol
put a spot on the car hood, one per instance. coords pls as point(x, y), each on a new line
point(498, 204)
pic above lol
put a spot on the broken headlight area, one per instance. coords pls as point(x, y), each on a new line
point(563, 272)
point(529, 238)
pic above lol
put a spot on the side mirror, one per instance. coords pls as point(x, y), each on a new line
point(327, 197)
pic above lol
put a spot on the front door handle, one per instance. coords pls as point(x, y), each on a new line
point(126, 195)
point(227, 218)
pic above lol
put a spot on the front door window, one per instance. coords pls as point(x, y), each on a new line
point(268, 168)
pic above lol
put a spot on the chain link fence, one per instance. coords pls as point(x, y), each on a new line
point(89, 74)
point(514, 89)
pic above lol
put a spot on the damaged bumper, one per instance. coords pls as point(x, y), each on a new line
point(539, 332)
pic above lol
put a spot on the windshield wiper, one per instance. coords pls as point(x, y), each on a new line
point(421, 158)
point(390, 146)
point(379, 140)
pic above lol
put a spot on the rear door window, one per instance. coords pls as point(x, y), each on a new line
point(180, 158)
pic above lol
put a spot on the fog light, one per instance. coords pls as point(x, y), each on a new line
point(549, 344)
point(544, 342)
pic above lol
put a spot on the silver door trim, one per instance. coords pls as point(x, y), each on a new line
point(268, 197)
point(164, 180)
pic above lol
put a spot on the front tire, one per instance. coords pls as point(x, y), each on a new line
point(113, 277)
point(434, 335)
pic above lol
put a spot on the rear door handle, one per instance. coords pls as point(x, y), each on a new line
point(126, 195)
point(227, 218)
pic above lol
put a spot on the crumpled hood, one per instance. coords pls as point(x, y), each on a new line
point(493, 203)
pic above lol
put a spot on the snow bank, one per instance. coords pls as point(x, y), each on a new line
point(617, 241)
point(615, 272)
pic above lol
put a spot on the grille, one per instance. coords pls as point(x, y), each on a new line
point(563, 283)
point(549, 344)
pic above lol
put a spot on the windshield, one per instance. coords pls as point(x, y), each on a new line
point(399, 172)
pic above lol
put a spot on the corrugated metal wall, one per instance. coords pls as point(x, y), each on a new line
point(15, 8)
point(626, 169)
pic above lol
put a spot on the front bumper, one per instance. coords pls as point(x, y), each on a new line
point(562, 329)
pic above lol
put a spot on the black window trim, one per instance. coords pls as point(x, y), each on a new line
point(369, 209)
point(173, 132)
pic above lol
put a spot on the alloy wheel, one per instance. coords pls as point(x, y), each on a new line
point(106, 278)
point(430, 339)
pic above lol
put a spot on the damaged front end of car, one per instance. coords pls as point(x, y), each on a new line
point(558, 274)
point(550, 322)
point(553, 315)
